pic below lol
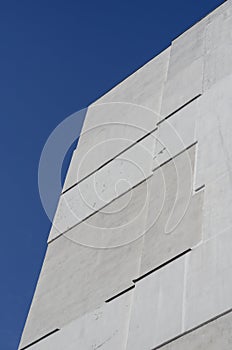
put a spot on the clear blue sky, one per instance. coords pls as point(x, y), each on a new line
point(56, 58)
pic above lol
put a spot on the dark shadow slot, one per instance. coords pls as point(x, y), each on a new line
point(193, 329)
point(38, 340)
point(119, 294)
point(162, 265)
point(199, 188)
point(178, 109)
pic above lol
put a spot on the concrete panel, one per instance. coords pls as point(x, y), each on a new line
point(119, 223)
point(213, 336)
point(214, 130)
point(218, 44)
point(176, 134)
point(185, 72)
point(144, 87)
point(76, 280)
point(93, 330)
point(185, 85)
point(217, 215)
point(187, 48)
point(218, 32)
point(209, 283)
point(218, 65)
point(109, 129)
point(218, 49)
point(156, 314)
point(100, 188)
point(174, 222)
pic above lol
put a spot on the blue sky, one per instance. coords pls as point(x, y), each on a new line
point(56, 58)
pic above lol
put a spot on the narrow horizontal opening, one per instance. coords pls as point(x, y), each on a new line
point(38, 340)
point(199, 188)
point(119, 294)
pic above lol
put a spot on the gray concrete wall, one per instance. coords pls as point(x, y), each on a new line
point(147, 204)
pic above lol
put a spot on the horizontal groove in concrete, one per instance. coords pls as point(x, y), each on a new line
point(38, 340)
point(199, 188)
point(162, 265)
point(193, 329)
point(119, 294)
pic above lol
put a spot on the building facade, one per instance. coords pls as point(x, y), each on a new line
point(139, 254)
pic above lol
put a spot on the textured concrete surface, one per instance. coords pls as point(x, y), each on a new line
point(156, 315)
point(209, 283)
point(174, 222)
point(121, 222)
point(137, 204)
point(213, 336)
point(76, 280)
point(183, 87)
point(93, 330)
point(218, 206)
point(176, 134)
point(214, 129)
point(187, 48)
point(186, 68)
point(218, 44)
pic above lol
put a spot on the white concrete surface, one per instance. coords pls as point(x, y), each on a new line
point(213, 336)
point(186, 69)
point(93, 330)
point(176, 134)
point(217, 206)
point(183, 87)
point(187, 48)
point(99, 189)
point(157, 307)
point(76, 280)
point(218, 65)
point(214, 130)
point(120, 223)
point(174, 222)
point(218, 50)
point(209, 283)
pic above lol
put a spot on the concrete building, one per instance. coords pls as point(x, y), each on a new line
point(139, 254)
